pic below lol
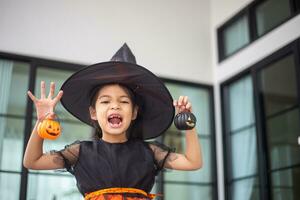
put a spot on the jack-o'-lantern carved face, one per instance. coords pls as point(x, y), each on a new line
point(185, 121)
point(49, 129)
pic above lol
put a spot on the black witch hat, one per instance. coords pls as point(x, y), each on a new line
point(158, 110)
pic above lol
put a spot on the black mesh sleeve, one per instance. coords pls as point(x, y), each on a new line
point(70, 155)
point(161, 154)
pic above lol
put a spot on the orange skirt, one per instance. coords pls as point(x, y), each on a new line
point(119, 194)
point(117, 197)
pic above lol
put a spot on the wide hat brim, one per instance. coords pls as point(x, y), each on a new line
point(157, 112)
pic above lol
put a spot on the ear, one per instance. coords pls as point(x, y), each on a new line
point(135, 112)
point(93, 113)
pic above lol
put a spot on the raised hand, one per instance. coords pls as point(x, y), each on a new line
point(45, 105)
point(182, 104)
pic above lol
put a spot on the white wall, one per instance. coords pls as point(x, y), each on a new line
point(170, 37)
point(222, 11)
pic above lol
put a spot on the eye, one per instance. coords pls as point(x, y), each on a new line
point(124, 101)
point(104, 102)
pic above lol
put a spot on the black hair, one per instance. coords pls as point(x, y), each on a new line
point(135, 128)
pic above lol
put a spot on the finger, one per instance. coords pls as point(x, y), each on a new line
point(32, 97)
point(182, 108)
point(180, 99)
point(189, 106)
point(185, 100)
point(58, 97)
point(52, 89)
point(43, 93)
point(175, 102)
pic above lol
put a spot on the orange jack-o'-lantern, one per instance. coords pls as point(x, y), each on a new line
point(49, 129)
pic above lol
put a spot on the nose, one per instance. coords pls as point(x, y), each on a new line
point(115, 106)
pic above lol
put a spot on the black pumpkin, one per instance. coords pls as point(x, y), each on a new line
point(185, 121)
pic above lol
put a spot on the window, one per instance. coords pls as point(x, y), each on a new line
point(271, 13)
point(17, 77)
point(13, 77)
point(281, 119)
point(200, 184)
point(236, 35)
point(255, 20)
point(261, 129)
point(241, 140)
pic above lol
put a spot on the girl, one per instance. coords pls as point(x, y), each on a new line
point(126, 104)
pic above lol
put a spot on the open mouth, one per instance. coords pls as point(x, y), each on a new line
point(115, 120)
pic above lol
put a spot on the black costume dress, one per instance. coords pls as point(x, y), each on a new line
point(99, 164)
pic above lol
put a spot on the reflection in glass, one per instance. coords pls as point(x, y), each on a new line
point(236, 35)
point(240, 123)
point(49, 187)
point(241, 141)
point(13, 87)
point(283, 131)
point(286, 184)
point(9, 186)
point(270, 14)
point(244, 153)
point(279, 86)
point(177, 191)
point(240, 104)
point(12, 145)
point(245, 189)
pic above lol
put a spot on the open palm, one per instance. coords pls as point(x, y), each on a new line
point(45, 105)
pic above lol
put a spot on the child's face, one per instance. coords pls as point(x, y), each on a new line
point(114, 110)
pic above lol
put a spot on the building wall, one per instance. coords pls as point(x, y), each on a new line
point(222, 11)
point(171, 37)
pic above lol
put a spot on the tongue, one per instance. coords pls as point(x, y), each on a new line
point(115, 120)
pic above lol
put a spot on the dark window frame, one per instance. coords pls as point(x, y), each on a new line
point(36, 63)
point(264, 170)
point(249, 11)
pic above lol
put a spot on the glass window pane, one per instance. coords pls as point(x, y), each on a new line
point(236, 35)
point(11, 144)
point(203, 175)
point(244, 153)
point(49, 187)
point(286, 184)
point(13, 87)
point(270, 14)
point(282, 133)
point(279, 86)
point(200, 99)
point(240, 104)
point(191, 192)
point(9, 186)
point(245, 189)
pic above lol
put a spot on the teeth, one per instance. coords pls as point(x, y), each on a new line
point(113, 116)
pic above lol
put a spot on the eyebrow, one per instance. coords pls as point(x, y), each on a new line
point(108, 96)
